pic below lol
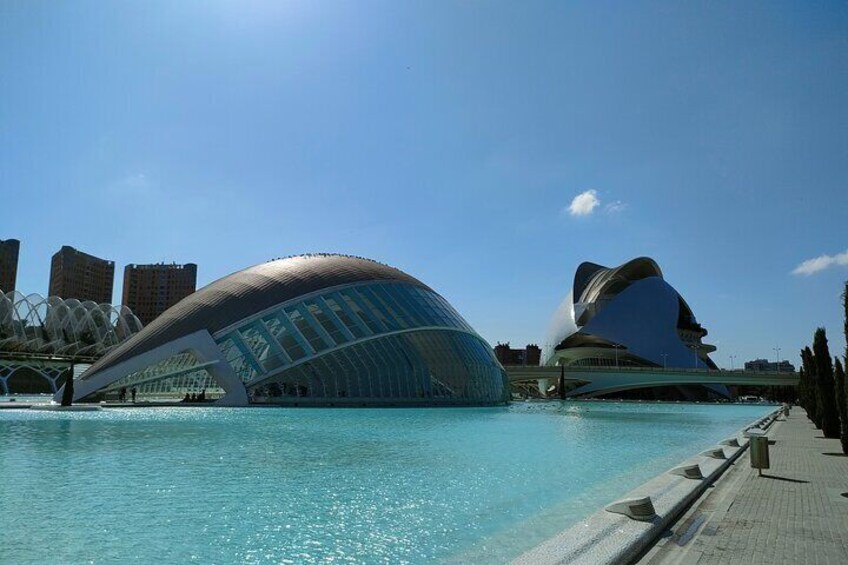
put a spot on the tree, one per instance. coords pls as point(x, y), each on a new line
point(841, 404)
point(842, 390)
point(845, 319)
point(824, 384)
point(802, 388)
point(810, 400)
point(68, 391)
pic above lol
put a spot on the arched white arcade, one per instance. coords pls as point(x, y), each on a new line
point(52, 325)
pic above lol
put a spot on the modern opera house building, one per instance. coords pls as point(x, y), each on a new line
point(311, 330)
point(625, 316)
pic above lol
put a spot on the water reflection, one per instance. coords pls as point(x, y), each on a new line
point(307, 485)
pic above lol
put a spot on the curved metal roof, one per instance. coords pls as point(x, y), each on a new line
point(245, 293)
point(593, 280)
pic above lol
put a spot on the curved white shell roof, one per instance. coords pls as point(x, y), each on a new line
point(628, 306)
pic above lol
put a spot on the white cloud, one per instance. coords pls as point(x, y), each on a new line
point(138, 180)
point(615, 207)
point(820, 263)
point(584, 203)
point(133, 185)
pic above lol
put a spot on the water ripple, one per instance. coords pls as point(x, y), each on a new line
point(327, 486)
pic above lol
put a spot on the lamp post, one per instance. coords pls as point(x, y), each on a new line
point(616, 346)
point(777, 354)
point(665, 361)
point(695, 352)
point(732, 367)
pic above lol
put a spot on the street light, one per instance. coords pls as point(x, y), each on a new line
point(694, 349)
point(616, 346)
point(732, 357)
point(665, 359)
point(777, 354)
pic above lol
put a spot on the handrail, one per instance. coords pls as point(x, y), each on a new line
point(26, 356)
point(575, 368)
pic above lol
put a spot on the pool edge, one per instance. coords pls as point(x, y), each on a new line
point(604, 537)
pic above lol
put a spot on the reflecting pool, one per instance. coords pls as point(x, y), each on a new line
point(272, 485)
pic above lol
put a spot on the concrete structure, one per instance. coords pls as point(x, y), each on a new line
point(35, 374)
point(795, 513)
point(149, 290)
point(53, 326)
point(74, 274)
point(628, 527)
point(625, 316)
point(307, 330)
point(9, 251)
point(628, 316)
point(766, 365)
point(594, 381)
point(530, 355)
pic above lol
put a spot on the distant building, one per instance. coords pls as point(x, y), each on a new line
point(764, 365)
point(530, 355)
point(626, 316)
point(149, 290)
point(629, 316)
point(74, 274)
point(9, 264)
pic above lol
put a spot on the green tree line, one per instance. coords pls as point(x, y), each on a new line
point(822, 388)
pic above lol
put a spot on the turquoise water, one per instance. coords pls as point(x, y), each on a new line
point(26, 398)
point(271, 485)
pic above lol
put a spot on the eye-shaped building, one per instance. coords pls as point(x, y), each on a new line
point(306, 330)
point(625, 316)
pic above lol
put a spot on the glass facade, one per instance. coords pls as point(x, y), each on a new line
point(427, 366)
point(169, 379)
point(369, 343)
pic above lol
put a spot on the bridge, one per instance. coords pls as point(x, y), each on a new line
point(37, 373)
point(592, 381)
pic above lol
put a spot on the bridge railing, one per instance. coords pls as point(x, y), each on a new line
point(25, 356)
point(553, 368)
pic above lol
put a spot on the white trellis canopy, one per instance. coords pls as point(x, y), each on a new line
point(52, 325)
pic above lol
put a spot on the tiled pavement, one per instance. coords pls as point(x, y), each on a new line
point(794, 513)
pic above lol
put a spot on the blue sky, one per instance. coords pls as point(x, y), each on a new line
point(448, 139)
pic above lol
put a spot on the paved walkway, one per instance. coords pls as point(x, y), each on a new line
point(794, 513)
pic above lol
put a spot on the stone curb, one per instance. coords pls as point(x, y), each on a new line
point(606, 537)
